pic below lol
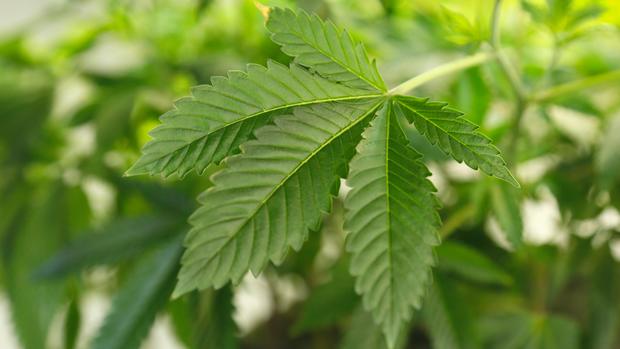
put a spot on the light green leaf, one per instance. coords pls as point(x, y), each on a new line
point(454, 135)
point(392, 221)
point(465, 261)
point(269, 196)
point(448, 320)
point(135, 306)
point(210, 125)
point(324, 48)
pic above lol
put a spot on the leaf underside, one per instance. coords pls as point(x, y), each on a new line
point(269, 196)
point(392, 221)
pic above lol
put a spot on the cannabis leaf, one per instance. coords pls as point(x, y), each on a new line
point(392, 221)
point(297, 128)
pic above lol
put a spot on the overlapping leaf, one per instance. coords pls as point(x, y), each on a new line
point(454, 135)
point(324, 48)
point(272, 194)
point(393, 223)
point(217, 118)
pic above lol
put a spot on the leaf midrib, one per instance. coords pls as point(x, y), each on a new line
point(388, 206)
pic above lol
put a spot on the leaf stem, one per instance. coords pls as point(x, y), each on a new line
point(442, 70)
point(574, 86)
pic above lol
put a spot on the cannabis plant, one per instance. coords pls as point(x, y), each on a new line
point(287, 135)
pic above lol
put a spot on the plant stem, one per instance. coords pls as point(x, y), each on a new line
point(502, 59)
point(456, 220)
point(442, 70)
point(574, 86)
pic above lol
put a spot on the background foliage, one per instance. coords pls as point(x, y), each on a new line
point(82, 82)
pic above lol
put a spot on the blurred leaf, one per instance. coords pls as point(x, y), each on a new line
point(465, 261)
point(221, 331)
point(328, 303)
point(72, 324)
point(33, 234)
point(608, 158)
point(115, 241)
point(137, 303)
point(363, 333)
point(604, 304)
point(532, 331)
point(505, 206)
point(473, 95)
point(449, 321)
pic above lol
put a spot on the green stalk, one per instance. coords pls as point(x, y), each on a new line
point(575, 86)
point(442, 70)
point(521, 96)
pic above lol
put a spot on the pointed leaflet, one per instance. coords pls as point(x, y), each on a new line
point(271, 194)
point(454, 135)
point(392, 220)
point(324, 48)
point(217, 118)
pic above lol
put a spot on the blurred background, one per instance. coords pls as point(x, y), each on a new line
point(88, 257)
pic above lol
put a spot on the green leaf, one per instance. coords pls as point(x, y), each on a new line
point(604, 303)
point(324, 48)
point(465, 261)
point(72, 324)
point(505, 205)
point(454, 135)
point(363, 333)
point(607, 159)
point(112, 242)
point(210, 125)
point(392, 220)
point(532, 331)
point(449, 322)
point(269, 196)
point(329, 302)
point(135, 306)
point(34, 232)
point(221, 331)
